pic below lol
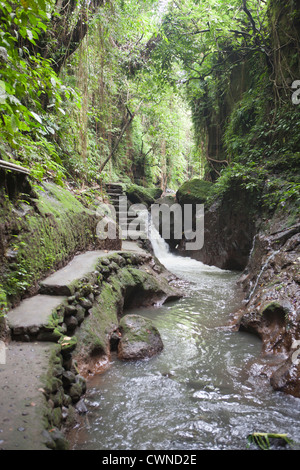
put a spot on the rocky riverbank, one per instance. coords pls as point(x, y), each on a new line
point(272, 303)
point(265, 247)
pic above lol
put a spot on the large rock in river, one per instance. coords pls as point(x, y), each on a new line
point(140, 338)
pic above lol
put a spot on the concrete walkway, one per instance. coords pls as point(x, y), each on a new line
point(61, 281)
point(22, 375)
point(21, 395)
point(33, 313)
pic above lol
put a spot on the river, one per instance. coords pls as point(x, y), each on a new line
point(203, 392)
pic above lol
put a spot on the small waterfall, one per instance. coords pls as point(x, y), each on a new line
point(173, 262)
point(160, 247)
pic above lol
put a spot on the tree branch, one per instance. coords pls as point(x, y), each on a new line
point(126, 125)
point(249, 16)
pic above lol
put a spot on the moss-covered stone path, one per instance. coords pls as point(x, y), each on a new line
point(27, 364)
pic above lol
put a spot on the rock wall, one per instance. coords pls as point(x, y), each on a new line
point(41, 229)
point(271, 283)
point(229, 228)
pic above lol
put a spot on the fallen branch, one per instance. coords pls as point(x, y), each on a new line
point(217, 161)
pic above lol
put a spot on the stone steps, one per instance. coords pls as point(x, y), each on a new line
point(33, 317)
point(63, 282)
point(37, 318)
point(42, 312)
point(37, 359)
point(115, 191)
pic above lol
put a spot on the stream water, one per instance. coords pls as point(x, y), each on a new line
point(203, 392)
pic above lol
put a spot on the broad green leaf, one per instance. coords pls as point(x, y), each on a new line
point(36, 117)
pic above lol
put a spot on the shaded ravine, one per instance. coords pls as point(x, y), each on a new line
point(204, 391)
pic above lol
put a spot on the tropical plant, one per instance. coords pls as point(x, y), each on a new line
point(264, 439)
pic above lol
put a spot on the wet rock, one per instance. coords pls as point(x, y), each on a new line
point(114, 340)
point(75, 392)
point(77, 389)
point(140, 338)
point(70, 310)
point(286, 378)
point(65, 413)
point(91, 297)
point(81, 407)
point(3, 55)
point(58, 399)
point(71, 323)
point(86, 303)
point(48, 441)
point(68, 378)
point(229, 227)
point(58, 438)
point(82, 382)
point(67, 400)
point(270, 324)
point(80, 314)
point(56, 416)
point(272, 307)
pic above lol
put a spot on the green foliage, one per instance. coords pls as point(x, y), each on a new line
point(32, 96)
point(140, 195)
point(3, 302)
point(206, 63)
point(114, 77)
point(28, 79)
point(54, 226)
point(194, 191)
point(257, 132)
point(280, 192)
point(263, 440)
point(251, 177)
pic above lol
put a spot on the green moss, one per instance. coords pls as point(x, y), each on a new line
point(275, 307)
point(139, 194)
point(48, 379)
point(137, 328)
point(140, 338)
point(67, 344)
point(93, 334)
point(271, 306)
point(127, 283)
point(195, 191)
point(42, 236)
point(3, 302)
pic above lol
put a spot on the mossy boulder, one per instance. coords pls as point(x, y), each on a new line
point(131, 283)
point(128, 287)
point(140, 195)
point(140, 339)
point(95, 331)
point(195, 191)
